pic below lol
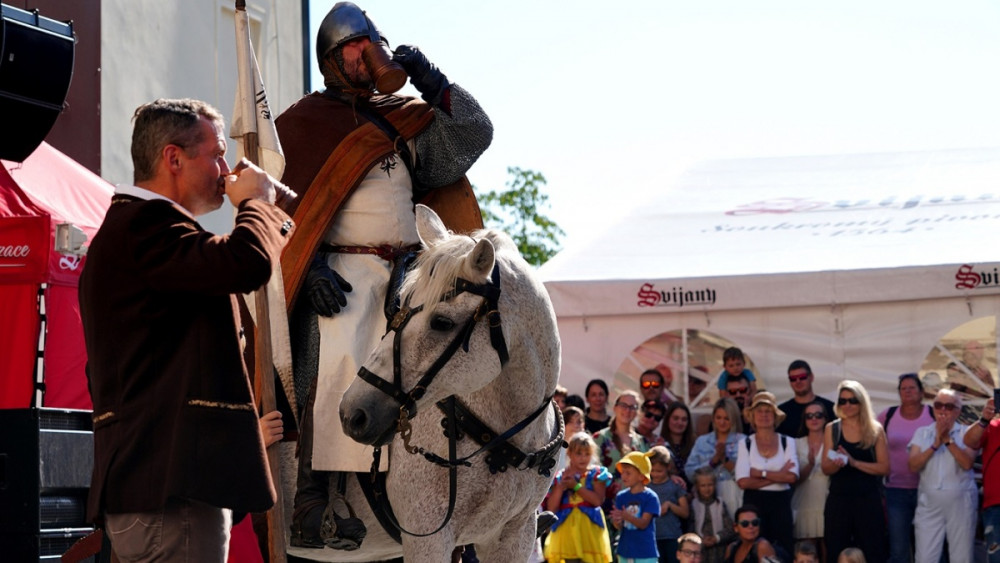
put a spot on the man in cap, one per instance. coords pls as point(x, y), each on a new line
point(360, 159)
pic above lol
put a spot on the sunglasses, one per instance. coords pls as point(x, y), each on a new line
point(632, 408)
point(650, 384)
point(797, 378)
point(852, 400)
point(747, 523)
point(739, 391)
point(656, 417)
point(945, 406)
point(815, 416)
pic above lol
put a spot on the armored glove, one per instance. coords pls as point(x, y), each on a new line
point(425, 77)
point(326, 288)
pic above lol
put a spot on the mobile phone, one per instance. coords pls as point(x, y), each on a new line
point(996, 399)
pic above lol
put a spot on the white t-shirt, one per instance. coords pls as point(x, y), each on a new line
point(745, 460)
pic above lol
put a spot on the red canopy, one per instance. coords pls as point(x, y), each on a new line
point(48, 188)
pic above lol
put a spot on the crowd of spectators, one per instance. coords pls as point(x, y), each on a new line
point(805, 480)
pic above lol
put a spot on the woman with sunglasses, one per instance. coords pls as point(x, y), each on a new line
point(766, 469)
point(649, 422)
point(810, 492)
point(750, 547)
point(947, 492)
point(856, 457)
point(718, 449)
point(900, 423)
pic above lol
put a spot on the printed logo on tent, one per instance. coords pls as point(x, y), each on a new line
point(782, 205)
point(69, 262)
point(676, 297)
point(15, 251)
point(968, 278)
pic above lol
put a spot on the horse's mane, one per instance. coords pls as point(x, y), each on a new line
point(436, 269)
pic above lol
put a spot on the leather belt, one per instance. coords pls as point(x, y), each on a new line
point(386, 252)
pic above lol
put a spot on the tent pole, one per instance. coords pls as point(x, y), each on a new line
point(39, 375)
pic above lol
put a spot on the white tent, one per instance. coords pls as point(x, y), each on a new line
point(866, 266)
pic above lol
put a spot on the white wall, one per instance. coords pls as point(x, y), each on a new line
point(186, 49)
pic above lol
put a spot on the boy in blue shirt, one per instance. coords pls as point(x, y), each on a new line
point(634, 510)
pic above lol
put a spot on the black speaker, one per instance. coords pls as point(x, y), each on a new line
point(36, 65)
point(46, 461)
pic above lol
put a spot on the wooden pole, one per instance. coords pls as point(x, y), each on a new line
point(264, 386)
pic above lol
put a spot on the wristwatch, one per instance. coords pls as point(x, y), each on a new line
point(948, 443)
point(763, 474)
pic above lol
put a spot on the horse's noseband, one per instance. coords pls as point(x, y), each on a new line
point(489, 309)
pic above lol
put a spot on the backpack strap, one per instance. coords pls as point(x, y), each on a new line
point(888, 417)
point(835, 431)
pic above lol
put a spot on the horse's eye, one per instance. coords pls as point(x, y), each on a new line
point(441, 323)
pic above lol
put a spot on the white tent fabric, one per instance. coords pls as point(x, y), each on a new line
point(859, 264)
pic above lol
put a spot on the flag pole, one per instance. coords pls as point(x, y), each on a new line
point(264, 366)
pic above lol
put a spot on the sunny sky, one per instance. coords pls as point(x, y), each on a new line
point(610, 104)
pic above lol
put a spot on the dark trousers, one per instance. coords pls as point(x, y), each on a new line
point(775, 511)
point(855, 522)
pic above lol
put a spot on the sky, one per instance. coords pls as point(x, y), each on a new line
point(612, 101)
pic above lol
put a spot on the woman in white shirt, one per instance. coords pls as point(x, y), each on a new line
point(766, 468)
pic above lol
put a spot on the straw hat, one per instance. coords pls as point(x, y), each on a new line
point(639, 461)
point(764, 398)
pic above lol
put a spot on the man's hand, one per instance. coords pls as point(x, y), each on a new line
point(326, 288)
point(248, 181)
point(425, 77)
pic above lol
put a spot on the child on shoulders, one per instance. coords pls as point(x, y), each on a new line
point(734, 364)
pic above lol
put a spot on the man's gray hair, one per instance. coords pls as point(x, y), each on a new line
point(165, 122)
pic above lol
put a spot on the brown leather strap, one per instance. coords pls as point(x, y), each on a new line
point(346, 166)
point(386, 252)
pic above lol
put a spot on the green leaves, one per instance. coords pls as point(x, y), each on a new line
point(518, 211)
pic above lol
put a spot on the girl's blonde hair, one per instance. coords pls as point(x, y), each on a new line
point(583, 441)
point(866, 418)
point(852, 555)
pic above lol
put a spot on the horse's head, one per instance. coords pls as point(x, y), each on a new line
point(451, 336)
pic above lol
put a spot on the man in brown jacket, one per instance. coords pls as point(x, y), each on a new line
point(176, 436)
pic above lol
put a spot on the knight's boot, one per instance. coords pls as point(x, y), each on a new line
point(312, 488)
point(339, 532)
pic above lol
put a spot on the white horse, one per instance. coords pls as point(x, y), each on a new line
point(476, 325)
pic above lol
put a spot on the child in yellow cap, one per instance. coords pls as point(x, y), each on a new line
point(634, 510)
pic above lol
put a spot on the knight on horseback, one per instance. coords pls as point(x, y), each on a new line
point(360, 157)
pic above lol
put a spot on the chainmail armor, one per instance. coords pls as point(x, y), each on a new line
point(451, 143)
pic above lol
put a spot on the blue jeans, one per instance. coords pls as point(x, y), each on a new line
point(991, 532)
point(901, 505)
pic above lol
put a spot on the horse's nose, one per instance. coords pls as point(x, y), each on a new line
point(355, 423)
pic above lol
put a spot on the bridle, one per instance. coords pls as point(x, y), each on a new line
point(457, 417)
point(488, 309)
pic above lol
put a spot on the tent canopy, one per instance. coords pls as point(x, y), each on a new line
point(793, 231)
point(860, 264)
point(48, 188)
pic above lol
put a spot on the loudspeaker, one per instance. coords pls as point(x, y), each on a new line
point(36, 65)
point(46, 461)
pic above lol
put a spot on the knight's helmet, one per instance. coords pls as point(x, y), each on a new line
point(345, 22)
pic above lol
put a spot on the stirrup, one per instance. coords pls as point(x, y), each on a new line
point(306, 525)
point(342, 533)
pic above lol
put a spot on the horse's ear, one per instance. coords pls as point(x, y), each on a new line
point(429, 226)
point(482, 258)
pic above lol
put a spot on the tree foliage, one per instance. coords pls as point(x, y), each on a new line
point(518, 211)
